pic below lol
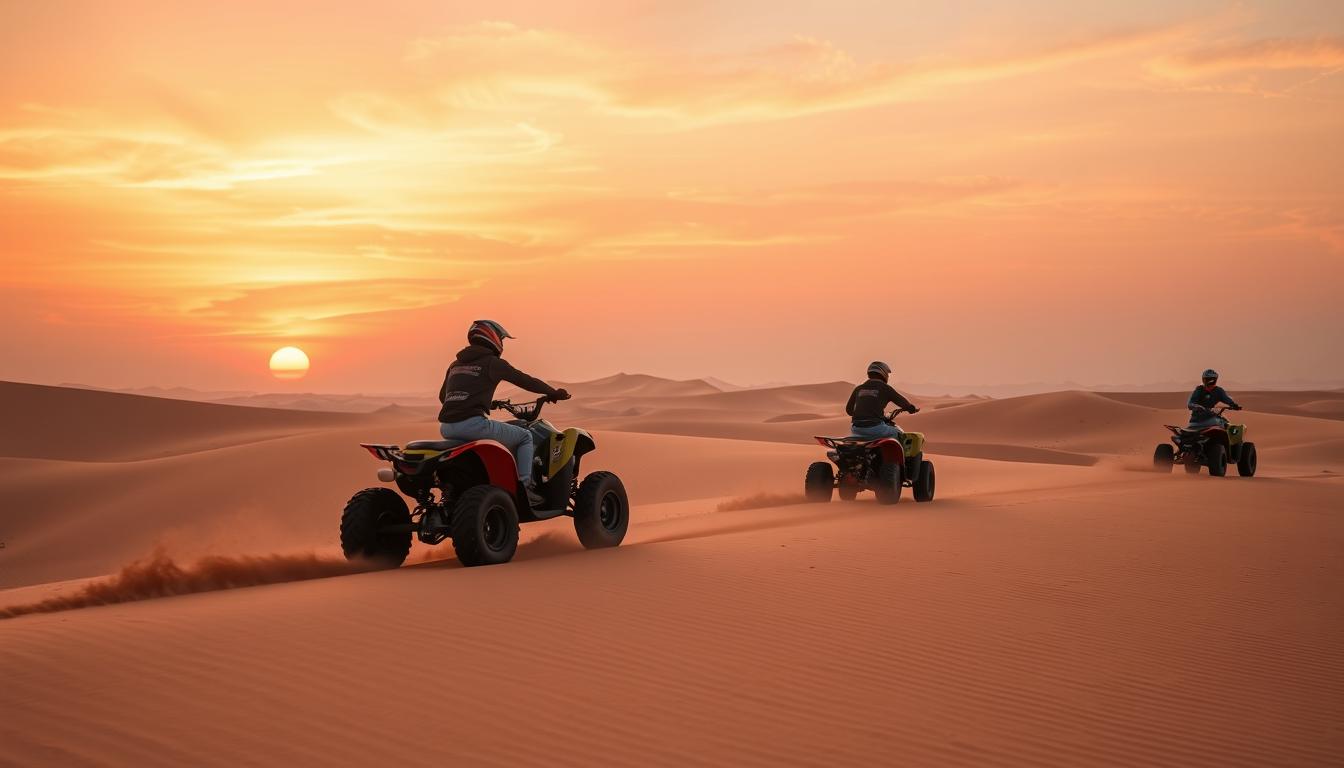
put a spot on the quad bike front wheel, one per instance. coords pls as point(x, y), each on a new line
point(601, 511)
point(889, 482)
point(1164, 458)
point(485, 526)
point(1247, 460)
point(1217, 459)
point(1192, 466)
point(820, 482)
point(924, 482)
point(363, 528)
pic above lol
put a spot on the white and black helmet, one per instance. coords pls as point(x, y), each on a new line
point(1209, 377)
point(879, 370)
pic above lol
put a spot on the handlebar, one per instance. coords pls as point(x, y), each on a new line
point(890, 418)
point(527, 411)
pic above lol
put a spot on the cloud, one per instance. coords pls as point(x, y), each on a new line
point(1271, 54)
point(311, 309)
point(498, 66)
point(150, 159)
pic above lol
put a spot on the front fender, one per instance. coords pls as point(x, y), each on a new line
point(583, 442)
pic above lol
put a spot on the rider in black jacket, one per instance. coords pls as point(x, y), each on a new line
point(469, 388)
point(868, 402)
point(1205, 397)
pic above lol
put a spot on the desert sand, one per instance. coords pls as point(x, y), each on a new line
point(1056, 605)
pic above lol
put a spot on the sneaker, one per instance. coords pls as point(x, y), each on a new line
point(533, 498)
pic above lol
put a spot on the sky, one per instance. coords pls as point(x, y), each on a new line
point(975, 192)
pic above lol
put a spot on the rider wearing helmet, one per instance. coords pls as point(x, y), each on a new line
point(1205, 397)
point(868, 402)
point(469, 388)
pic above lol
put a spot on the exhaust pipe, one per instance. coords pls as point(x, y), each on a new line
point(387, 475)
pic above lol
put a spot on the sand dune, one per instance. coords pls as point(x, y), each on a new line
point(285, 494)
point(714, 638)
point(252, 481)
point(91, 425)
point(1050, 608)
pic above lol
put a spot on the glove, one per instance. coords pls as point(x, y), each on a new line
point(559, 395)
point(913, 409)
point(1236, 407)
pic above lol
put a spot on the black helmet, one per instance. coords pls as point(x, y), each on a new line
point(488, 333)
point(1209, 377)
point(879, 370)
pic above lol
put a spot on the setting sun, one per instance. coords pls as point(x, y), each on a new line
point(289, 363)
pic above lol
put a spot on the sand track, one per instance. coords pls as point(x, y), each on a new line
point(1041, 612)
point(1049, 628)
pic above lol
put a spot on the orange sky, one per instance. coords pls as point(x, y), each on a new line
point(1086, 191)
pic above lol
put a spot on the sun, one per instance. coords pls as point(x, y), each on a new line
point(289, 363)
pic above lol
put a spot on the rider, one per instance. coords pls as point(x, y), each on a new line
point(870, 399)
point(469, 389)
point(1205, 397)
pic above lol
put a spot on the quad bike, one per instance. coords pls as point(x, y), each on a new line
point(1212, 446)
point(469, 492)
point(883, 465)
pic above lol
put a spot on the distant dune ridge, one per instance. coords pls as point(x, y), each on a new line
point(1039, 611)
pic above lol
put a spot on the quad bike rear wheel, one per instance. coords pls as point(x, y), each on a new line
point(1247, 460)
point(888, 483)
point(601, 511)
point(820, 482)
point(365, 515)
point(1164, 458)
point(924, 481)
point(1217, 459)
point(485, 526)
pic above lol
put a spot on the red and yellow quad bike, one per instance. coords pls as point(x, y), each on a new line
point(1208, 445)
point(883, 465)
point(469, 492)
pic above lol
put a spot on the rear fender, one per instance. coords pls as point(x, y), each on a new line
point(893, 452)
point(495, 460)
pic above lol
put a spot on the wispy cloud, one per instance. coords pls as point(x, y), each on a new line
point(155, 159)
point(1240, 56)
point(317, 309)
point(497, 66)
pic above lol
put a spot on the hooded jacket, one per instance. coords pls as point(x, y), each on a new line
point(868, 402)
point(469, 385)
point(1206, 399)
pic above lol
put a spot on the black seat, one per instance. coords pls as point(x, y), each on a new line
point(433, 445)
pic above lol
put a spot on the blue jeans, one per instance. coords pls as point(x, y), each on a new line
point(877, 430)
point(516, 439)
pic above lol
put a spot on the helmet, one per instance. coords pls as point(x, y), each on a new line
point(488, 333)
point(879, 370)
point(1209, 377)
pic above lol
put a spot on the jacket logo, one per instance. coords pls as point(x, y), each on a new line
point(464, 370)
